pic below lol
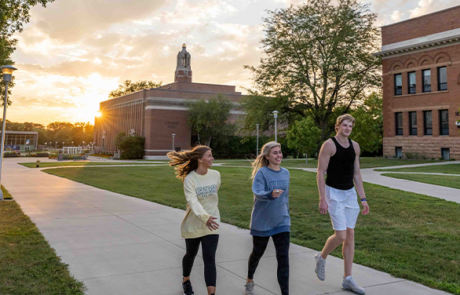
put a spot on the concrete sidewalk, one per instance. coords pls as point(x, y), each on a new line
point(437, 191)
point(117, 244)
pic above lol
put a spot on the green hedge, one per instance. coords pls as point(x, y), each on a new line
point(237, 147)
point(132, 147)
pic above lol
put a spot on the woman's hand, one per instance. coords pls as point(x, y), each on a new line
point(323, 206)
point(211, 224)
point(366, 208)
point(276, 193)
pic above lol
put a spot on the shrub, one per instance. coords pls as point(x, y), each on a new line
point(10, 154)
point(412, 156)
point(132, 147)
point(238, 147)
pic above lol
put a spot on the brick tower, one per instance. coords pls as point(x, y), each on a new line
point(183, 69)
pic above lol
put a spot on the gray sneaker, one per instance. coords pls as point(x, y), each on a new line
point(351, 285)
point(320, 268)
point(249, 289)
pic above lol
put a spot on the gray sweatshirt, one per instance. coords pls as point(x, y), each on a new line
point(270, 216)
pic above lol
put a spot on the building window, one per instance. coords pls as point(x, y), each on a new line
point(412, 82)
point(399, 123)
point(445, 153)
point(413, 123)
point(427, 123)
point(426, 80)
point(442, 78)
point(398, 84)
point(443, 122)
point(398, 152)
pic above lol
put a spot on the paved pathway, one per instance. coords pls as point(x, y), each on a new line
point(442, 192)
point(117, 244)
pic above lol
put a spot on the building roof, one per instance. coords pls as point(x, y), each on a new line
point(442, 39)
point(421, 16)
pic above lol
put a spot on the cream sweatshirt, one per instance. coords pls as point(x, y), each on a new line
point(202, 200)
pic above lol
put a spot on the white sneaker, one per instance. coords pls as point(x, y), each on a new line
point(350, 285)
point(320, 268)
point(249, 289)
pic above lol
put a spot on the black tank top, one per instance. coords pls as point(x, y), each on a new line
point(341, 167)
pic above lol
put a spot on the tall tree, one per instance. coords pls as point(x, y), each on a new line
point(13, 15)
point(129, 87)
point(318, 63)
point(209, 119)
point(304, 136)
point(368, 129)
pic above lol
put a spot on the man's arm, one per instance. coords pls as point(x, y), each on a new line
point(359, 180)
point(327, 150)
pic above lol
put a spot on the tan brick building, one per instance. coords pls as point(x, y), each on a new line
point(158, 113)
point(421, 86)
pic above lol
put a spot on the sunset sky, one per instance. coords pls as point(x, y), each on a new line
point(74, 52)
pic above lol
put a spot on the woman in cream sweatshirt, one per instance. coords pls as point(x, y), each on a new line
point(202, 218)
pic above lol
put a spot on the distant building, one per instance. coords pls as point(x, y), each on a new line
point(157, 113)
point(421, 86)
point(20, 140)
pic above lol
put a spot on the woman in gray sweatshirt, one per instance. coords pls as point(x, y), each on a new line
point(270, 214)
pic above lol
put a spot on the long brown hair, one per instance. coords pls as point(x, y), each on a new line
point(261, 160)
point(187, 161)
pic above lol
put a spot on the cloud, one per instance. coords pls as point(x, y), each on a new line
point(187, 12)
point(396, 16)
point(71, 20)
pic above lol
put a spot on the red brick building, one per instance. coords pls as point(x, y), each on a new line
point(421, 86)
point(158, 113)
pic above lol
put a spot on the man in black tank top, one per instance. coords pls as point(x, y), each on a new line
point(339, 160)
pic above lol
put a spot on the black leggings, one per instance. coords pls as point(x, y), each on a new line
point(282, 242)
point(209, 247)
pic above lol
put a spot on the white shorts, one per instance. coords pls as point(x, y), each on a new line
point(343, 207)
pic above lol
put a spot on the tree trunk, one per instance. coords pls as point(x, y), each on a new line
point(208, 143)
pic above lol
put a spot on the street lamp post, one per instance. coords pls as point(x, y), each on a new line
point(257, 149)
point(173, 135)
point(275, 113)
point(7, 73)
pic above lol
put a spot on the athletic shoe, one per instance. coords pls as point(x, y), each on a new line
point(350, 285)
point(187, 286)
point(249, 289)
point(320, 268)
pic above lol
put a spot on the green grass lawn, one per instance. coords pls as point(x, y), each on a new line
point(410, 236)
point(447, 169)
point(28, 265)
point(57, 164)
point(365, 162)
point(449, 181)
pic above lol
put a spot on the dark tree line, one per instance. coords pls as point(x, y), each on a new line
point(59, 132)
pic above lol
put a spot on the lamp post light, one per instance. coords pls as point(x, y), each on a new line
point(275, 114)
point(72, 143)
point(7, 74)
point(63, 144)
point(173, 135)
point(257, 148)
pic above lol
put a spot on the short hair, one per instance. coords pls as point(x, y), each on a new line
point(345, 117)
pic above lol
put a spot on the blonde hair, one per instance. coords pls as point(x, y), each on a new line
point(261, 160)
point(187, 161)
point(345, 117)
